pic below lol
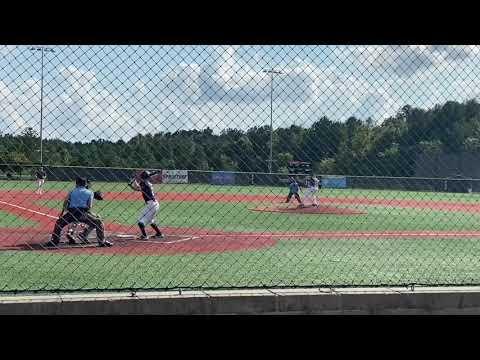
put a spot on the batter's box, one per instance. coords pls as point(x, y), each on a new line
point(167, 239)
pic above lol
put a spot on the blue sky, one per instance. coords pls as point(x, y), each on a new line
point(115, 92)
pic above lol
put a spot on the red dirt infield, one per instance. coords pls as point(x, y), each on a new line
point(195, 240)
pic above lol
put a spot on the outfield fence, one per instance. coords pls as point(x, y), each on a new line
point(391, 133)
point(235, 178)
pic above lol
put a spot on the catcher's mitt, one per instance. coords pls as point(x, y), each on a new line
point(98, 195)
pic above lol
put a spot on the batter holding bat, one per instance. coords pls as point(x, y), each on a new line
point(150, 210)
point(313, 185)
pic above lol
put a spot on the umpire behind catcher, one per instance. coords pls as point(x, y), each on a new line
point(78, 204)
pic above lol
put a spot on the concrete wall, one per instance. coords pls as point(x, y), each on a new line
point(450, 300)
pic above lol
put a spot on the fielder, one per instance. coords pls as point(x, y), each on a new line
point(294, 189)
point(40, 175)
point(313, 185)
point(150, 210)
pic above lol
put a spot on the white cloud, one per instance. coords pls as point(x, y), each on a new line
point(11, 114)
point(228, 89)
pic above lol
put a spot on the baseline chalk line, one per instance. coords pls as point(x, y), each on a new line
point(30, 210)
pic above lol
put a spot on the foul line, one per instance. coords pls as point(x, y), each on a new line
point(30, 210)
point(350, 234)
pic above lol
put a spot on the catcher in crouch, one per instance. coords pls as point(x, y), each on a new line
point(150, 210)
point(88, 227)
point(78, 204)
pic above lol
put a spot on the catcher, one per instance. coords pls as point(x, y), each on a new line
point(87, 228)
point(150, 210)
point(78, 204)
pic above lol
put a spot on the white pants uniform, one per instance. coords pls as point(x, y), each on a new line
point(311, 195)
point(149, 212)
point(40, 183)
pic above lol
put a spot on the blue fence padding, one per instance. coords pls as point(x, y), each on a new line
point(223, 178)
point(334, 182)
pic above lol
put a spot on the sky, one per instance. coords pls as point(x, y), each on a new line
point(116, 92)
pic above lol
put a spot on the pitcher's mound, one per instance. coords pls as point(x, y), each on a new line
point(308, 209)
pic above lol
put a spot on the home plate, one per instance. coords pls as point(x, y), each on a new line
point(168, 239)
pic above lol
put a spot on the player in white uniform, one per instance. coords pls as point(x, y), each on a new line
point(313, 185)
point(40, 175)
point(151, 204)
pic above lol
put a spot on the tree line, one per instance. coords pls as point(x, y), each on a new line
point(352, 147)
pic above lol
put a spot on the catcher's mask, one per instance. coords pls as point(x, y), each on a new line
point(81, 181)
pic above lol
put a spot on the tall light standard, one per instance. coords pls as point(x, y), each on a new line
point(272, 73)
point(43, 49)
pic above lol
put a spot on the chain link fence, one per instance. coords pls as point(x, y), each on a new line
point(389, 135)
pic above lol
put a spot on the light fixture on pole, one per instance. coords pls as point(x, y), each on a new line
point(272, 72)
point(43, 49)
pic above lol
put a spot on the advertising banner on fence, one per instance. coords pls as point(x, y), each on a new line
point(175, 176)
point(334, 182)
point(223, 178)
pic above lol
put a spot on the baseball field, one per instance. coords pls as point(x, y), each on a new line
point(242, 236)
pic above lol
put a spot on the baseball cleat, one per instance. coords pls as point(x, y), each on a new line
point(158, 236)
point(143, 237)
point(106, 243)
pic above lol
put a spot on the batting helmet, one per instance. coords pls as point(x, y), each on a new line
point(98, 195)
point(145, 174)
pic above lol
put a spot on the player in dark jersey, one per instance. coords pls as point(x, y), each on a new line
point(150, 210)
point(294, 188)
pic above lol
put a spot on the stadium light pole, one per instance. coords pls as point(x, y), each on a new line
point(272, 73)
point(42, 49)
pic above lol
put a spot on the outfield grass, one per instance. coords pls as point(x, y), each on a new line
point(289, 263)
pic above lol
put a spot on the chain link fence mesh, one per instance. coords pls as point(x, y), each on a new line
point(391, 133)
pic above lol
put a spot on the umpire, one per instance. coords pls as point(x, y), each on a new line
point(78, 205)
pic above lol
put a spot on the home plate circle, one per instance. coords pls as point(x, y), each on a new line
point(167, 239)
